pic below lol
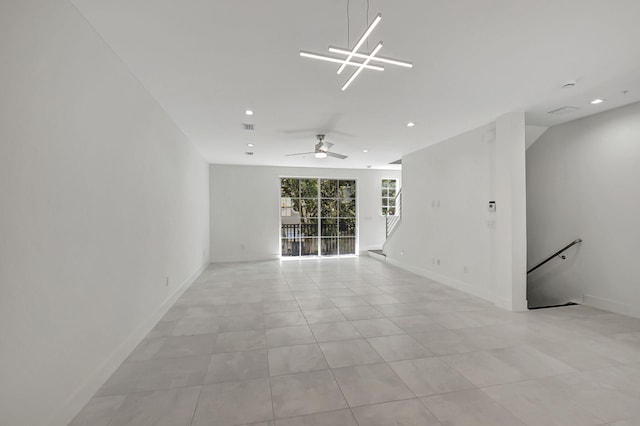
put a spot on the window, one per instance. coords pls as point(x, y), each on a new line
point(389, 192)
point(318, 217)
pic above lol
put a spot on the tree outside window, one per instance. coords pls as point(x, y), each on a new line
point(389, 192)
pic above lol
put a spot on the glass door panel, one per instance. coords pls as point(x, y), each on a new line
point(347, 189)
point(309, 188)
point(309, 247)
point(329, 246)
point(290, 247)
point(328, 188)
point(318, 217)
point(329, 227)
point(347, 245)
point(347, 217)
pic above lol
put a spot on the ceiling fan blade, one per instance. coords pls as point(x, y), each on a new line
point(295, 131)
point(338, 132)
point(323, 146)
point(335, 155)
point(300, 153)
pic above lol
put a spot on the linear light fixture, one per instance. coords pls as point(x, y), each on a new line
point(311, 55)
point(359, 70)
point(354, 53)
point(364, 37)
point(377, 58)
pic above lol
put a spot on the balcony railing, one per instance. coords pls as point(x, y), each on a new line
point(303, 239)
point(394, 220)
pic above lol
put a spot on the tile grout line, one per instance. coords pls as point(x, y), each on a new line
point(337, 383)
point(193, 417)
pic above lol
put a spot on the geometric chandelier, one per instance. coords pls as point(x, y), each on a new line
point(351, 56)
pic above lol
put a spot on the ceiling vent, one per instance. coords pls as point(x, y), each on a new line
point(397, 161)
point(249, 153)
point(247, 126)
point(564, 110)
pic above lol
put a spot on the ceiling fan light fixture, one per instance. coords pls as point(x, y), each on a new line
point(321, 150)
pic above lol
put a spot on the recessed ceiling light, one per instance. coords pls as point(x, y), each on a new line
point(250, 145)
point(249, 112)
point(411, 124)
point(597, 101)
point(365, 150)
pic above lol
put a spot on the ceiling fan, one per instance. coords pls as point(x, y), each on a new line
point(322, 150)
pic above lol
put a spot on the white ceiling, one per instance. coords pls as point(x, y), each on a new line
point(207, 61)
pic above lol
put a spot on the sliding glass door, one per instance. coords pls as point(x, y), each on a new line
point(318, 217)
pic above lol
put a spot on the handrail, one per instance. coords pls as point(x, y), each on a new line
point(558, 253)
point(392, 221)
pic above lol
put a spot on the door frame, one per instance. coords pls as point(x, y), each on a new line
point(319, 255)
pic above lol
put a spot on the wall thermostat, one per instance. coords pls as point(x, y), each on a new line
point(492, 206)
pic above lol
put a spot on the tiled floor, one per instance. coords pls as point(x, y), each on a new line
point(357, 342)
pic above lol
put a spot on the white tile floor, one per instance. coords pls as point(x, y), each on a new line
point(358, 342)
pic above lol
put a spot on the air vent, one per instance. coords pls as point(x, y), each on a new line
point(397, 161)
point(247, 126)
point(249, 153)
point(564, 110)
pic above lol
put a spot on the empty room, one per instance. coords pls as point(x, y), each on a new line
point(319, 213)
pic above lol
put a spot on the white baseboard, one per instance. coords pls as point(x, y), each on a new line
point(377, 256)
point(611, 305)
point(85, 392)
point(257, 258)
point(451, 282)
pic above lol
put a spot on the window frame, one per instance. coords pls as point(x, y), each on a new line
point(390, 200)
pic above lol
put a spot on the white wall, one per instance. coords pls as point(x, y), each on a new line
point(510, 250)
point(245, 208)
point(583, 180)
point(101, 197)
point(447, 233)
